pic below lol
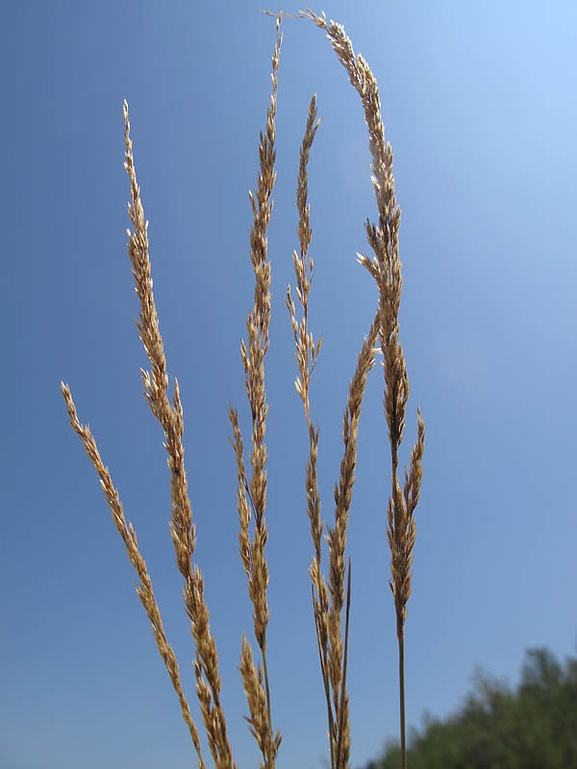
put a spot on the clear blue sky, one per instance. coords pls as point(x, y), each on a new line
point(479, 104)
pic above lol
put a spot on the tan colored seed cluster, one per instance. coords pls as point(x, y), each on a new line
point(251, 492)
point(328, 598)
point(144, 589)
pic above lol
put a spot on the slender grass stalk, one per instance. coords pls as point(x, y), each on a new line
point(386, 269)
point(328, 599)
point(251, 492)
point(170, 415)
point(307, 352)
point(144, 590)
point(344, 712)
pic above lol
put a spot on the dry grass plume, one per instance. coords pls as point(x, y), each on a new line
point(386, 268)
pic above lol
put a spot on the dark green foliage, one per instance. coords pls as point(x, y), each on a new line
point(533, 727)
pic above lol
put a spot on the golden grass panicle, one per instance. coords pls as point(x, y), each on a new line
point(307, 352)
point(328, 602)
point(251, 493)
point(170, 416)
point(386, 269)
point(306, 349)
point(337, 542)
point(144, 589)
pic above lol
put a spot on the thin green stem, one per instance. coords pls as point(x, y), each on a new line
point(266, 686)
point(401, 639)
point(325, 677)
point(342, 703)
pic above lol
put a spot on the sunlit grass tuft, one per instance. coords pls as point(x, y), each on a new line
point(330, 586)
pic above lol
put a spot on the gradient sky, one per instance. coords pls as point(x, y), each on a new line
point(479, 105)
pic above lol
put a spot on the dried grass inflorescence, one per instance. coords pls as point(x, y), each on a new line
point(251, 492)
point(144, 589)
point(386, 268)
point(328, 599)
point(331, 593)
point(170, 415)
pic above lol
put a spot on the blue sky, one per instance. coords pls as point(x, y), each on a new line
point(479, 105)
